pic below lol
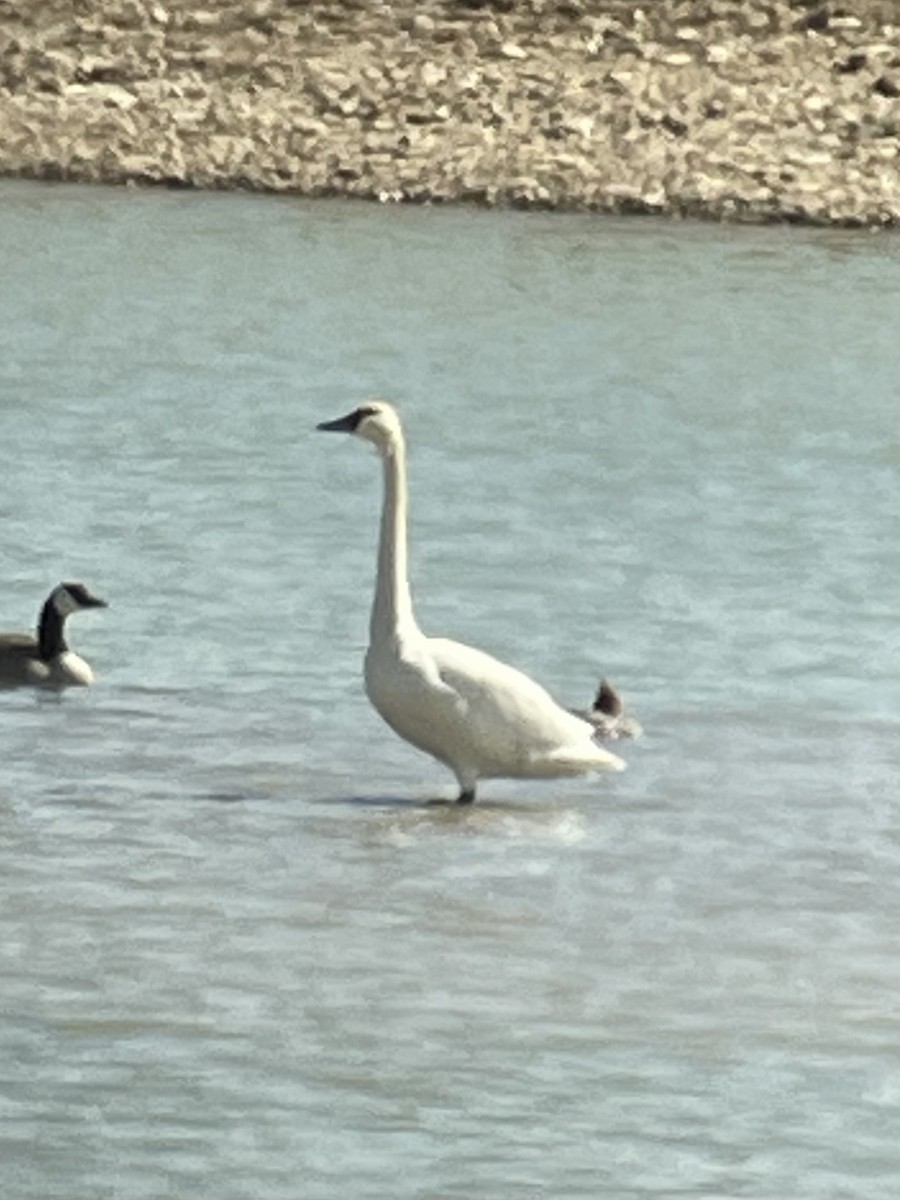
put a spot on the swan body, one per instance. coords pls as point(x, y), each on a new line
point(478, 716)
point(45, 660)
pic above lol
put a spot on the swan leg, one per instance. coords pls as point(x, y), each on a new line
point(466, 796)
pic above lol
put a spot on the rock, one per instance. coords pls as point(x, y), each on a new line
point(884, 85)
point(422, 26)
point(719, 108)
point(818, 20)
point(852, 63)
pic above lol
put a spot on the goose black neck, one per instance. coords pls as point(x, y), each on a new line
point(51, 638)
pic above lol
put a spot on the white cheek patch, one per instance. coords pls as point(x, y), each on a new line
point(63, 602)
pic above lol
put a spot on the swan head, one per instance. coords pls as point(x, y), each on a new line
point(375, 421)
point(68, 598)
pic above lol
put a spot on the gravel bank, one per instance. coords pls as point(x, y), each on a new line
point(726, 109)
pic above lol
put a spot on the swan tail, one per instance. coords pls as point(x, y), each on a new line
point(578, 761)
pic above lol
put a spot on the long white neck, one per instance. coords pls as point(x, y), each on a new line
point(392, 608)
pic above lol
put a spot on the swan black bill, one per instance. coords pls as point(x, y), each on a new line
point(342, 424)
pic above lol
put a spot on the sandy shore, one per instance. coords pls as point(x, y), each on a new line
point(785, 110)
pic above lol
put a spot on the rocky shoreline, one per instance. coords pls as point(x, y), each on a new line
point(777, 110)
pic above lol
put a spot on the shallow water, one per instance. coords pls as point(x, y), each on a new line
point(240, 953)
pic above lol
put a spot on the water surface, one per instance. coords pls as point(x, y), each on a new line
point(240, 954)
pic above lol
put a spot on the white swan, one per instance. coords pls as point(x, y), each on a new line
point(480, 717)
point(46, 660)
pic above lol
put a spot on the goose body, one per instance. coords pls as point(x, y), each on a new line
point(480, 717)
point(45, 660)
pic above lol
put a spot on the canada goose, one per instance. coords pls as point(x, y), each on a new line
point(46, 660)
point(478, 716)
point(608, 715)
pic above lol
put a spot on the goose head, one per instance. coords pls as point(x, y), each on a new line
point(68, 598)
point(375, 421)
point(63, 601)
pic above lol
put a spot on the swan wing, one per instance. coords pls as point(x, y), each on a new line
point(513, 726)
point(503, 701)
